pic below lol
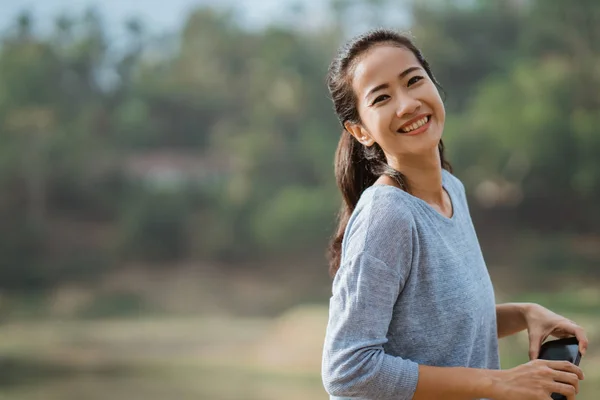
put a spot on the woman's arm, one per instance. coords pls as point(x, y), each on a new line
point(539, 322)
point(535, 380)
point(453, 383)
point(527, 381)
point(364, 293)
point(361, 307)
point(510, 318)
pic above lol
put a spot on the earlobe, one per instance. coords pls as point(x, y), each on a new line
point(359, 133)
point(364, 137)
point(367, 140)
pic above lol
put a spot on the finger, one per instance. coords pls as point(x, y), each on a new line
point(565, 366)
point(582, 338)
point(535, 342)
point(564, 389)
point(568, 378)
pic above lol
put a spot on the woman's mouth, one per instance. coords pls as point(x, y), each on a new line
point(416, 127)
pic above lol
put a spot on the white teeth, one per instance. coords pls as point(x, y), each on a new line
point(415, 125)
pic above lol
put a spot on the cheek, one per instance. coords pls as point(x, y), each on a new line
point(383, 119)
point(442, 111)
point(437, 104)
point(377, 121)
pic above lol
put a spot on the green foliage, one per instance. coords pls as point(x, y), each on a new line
point(154, 226)
point(464, 45)
point(79, 109)
point(295, 219)
point(20, 247)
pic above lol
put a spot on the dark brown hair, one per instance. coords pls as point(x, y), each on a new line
point(357, 166)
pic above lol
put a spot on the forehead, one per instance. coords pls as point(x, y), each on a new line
point(379, 65)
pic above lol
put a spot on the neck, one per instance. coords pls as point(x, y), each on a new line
point(423, 176)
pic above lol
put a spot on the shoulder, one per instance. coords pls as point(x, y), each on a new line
point(383, 206)
point(382, 224)
point(453, 181)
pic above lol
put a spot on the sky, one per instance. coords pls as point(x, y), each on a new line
point(158, 15)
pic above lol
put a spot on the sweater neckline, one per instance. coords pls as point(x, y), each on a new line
point(427, 206)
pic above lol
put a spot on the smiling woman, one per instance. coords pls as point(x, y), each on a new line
point(412, 313)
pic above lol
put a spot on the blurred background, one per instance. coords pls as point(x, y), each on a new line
point(166, 171)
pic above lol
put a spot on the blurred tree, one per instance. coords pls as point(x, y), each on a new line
point(546, 111)
point(464, 44)
point(79, 109)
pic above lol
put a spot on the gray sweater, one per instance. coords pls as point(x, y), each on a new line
point(412, 288)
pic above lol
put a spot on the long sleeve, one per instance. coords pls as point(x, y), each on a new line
point(354, 362)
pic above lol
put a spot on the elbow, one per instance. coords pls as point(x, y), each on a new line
point(338, 385)
point(369, 375)
point(345, 378)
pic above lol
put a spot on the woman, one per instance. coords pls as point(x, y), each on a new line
point(412, 315)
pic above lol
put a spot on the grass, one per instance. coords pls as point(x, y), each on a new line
point(220, 358)
point(158, 358)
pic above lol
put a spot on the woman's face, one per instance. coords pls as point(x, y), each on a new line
point(399, 106)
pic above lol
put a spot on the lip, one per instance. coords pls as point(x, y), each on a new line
point(420, 129)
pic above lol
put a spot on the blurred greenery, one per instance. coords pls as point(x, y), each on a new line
point(151, 182)
point(215, 143)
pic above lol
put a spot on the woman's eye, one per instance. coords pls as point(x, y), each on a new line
point(379, 98)
point(414, 80)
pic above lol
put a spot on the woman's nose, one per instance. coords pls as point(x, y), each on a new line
point(407, 105)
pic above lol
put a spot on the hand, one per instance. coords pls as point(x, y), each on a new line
point(537, 380)
point(542, 323)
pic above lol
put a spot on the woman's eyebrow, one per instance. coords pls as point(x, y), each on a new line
point(386, 85)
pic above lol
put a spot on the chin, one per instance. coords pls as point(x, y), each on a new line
point(428, 144)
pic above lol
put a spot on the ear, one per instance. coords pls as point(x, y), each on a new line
point(359, 133)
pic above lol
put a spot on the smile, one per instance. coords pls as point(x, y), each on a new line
point(413, 128)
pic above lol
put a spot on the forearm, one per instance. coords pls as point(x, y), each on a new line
point(510, 318)
point(454, 383)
